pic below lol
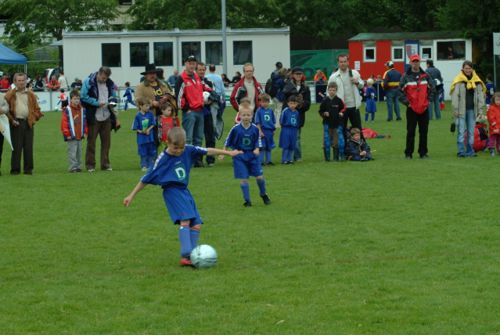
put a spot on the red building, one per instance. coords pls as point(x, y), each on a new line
point(368, 52)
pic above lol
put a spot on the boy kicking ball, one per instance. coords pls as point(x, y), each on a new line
point(171, 172)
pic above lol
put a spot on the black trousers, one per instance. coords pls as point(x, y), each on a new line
point(352, 114)
point(412, 120)
point(1, 148)
point(208, 128)
point(22, 141)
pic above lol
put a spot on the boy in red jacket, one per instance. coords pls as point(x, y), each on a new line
point(74, 129)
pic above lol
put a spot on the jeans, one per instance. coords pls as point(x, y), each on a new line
point(193, 124)
point(392, 100)
point(74, 154)
point(434, 106)
point(466, 123)
point(297, 152)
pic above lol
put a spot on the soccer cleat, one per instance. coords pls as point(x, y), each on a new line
point(266, 199)
point(185, 262)
point(247, 203)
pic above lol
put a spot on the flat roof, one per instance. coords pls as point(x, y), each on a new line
point(176, 32)
point(424, 35)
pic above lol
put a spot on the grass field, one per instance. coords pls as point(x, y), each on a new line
point(390, 246)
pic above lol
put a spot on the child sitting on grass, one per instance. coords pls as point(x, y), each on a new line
point(357, 149)
point(171, 172)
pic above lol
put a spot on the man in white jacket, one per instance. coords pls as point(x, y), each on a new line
point(349, 83)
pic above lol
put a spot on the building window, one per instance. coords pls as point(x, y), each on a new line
point(426, 52)
point(139, 54)
point(397, 53)
point(242, 52)
point(450, 50)
point(191, 49)
point(213, 53)
point(163, 53)
point(369, 54)
point(111, 54)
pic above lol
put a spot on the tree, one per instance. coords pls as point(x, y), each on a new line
point(34, 22)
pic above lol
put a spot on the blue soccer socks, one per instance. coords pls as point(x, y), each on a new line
point(185, 240)
point(262, 186)
point(195, 236)
point(245, 188)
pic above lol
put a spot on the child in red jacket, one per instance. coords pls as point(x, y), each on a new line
point(74, 129)
point(166, 121)
point(494, 121)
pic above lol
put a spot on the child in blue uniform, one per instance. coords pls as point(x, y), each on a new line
point(245, 137)
point(289, 121)
point(370, 98)
point(266, 122)
point(143, 124)
point(128, 96)
point(171, 172)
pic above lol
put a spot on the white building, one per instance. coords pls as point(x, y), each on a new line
point(127, 52)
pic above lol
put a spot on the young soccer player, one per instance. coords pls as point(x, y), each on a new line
point(166, 121)
point(266, 122)
point(332, 110)
point(370, 104)
point(171, 172)
point(128, 95)
point(289, 121)
point(143, 124)
point(74, 128)
point(245, 137)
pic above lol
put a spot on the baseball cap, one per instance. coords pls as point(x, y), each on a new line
point(190, 58)
point(389, 64)
point(415, 58)
point(297, 69)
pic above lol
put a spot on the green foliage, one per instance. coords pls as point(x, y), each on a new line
point(384, 247)
point(33, 21)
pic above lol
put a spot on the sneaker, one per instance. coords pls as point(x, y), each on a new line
point(185, 262)
point(424, 156)
point(408, 157)
point(266, 199)
point(91, 170)
point(109, 168)
point(492, 153)
point(270, 163)
point(144, 169)
point(72, 171)
point(247, 204)
point(78, 170)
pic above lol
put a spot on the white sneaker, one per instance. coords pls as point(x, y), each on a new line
point(91, 170)
point(109, 169)
point(144, 169)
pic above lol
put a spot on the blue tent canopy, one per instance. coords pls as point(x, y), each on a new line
point(9, 56)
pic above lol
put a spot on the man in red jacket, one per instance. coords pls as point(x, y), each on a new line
point(248, 87)
point(189, 90)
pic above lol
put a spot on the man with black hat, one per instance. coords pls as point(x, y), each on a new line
point(155, 90)
point(392, 77)
point(189, 90)
point(297, 86)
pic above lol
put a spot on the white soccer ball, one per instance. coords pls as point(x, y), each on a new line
point(204, 256)
point(206, 95)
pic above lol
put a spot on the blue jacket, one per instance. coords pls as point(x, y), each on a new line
point(89, 96)
point(392, 77)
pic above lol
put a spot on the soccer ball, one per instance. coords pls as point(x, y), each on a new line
point(203, 256)
point(206, 95)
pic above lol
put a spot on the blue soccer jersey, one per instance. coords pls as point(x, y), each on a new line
point(143, 122)
point(244, 139)
point(170, 170)
point(289, 118)
point(265, 117)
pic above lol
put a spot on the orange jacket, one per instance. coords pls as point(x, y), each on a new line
point(34, 114)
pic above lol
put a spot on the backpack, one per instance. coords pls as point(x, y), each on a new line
point(271, 87)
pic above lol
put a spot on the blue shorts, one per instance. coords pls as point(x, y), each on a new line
point(268, 140)
point(181, 206)
point(244, 167)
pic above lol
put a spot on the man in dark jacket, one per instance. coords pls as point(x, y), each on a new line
point(297, 86)
point(95, 95)
point(416, 86)
point(435, 75)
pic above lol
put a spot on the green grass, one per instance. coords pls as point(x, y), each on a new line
point(384, 247)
